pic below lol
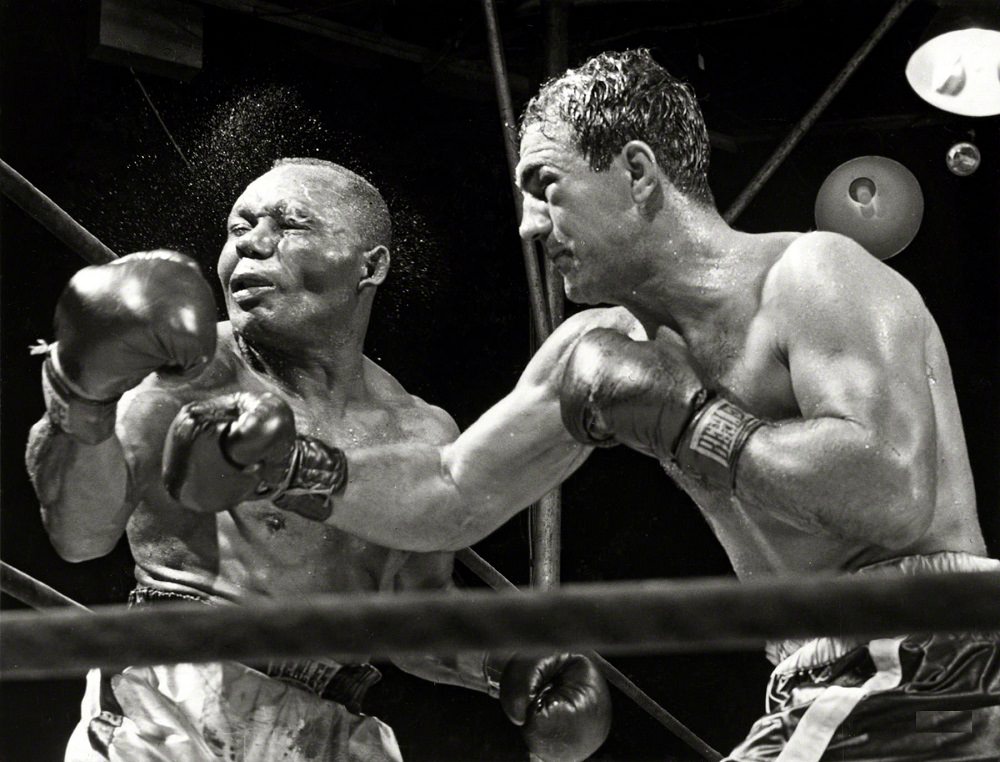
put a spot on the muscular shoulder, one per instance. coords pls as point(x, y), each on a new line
point(823, 276)
point(820, 263)
point(430, 423)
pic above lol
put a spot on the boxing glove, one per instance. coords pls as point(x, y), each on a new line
point(243, 446)
point(117, 323)
point(561, 702)
point(647, 394)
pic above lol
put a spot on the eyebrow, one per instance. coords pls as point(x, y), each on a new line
point(279, 209)
point(288, 209)
point(527, 173)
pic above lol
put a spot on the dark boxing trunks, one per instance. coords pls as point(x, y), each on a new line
point(930, 697)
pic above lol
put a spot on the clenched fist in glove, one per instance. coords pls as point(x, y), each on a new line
point(561, 703)
point(647, 394)
point(117, 323)
point(243, 446)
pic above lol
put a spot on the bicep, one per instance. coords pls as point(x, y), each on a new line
point(856, 352)
point(83, 491)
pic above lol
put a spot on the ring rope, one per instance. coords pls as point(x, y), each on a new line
point(53, 217)
point(33, 592)
point(492, 576)
point(643, 617)
point(38, 595)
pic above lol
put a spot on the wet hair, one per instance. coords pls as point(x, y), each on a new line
point(370, 214)
point(617, 97)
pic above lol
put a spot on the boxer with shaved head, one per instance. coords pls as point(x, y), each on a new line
point(159, 419)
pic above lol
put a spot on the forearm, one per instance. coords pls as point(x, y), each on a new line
point(82, 490)
point(466, 670)
point(427, 497)
point(834, 476)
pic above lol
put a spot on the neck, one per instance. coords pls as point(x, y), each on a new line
point(704, 277)
point(332, 372)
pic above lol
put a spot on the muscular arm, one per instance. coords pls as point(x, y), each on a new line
point(423, 497)
point(433, 571)
point(859, 464)
point(88, 492)
point(83, 491)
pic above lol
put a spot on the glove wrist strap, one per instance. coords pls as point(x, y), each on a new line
point(711, 445)
point(316, 473)
point(87, 420)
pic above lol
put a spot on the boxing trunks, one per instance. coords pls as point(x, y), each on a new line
point(928, 697)
point(299, 711)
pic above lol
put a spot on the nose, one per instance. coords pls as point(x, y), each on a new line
point(535, 221)
point(259, 242)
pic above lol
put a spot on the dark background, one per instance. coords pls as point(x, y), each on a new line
point(452, 322)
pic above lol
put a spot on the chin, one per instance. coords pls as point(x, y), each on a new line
point(578, 294)
point(254, 323)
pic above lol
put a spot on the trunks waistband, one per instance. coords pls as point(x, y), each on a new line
point(345, 684)
point(797, 654)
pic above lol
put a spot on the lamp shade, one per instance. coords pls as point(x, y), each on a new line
point(874, 200)
point(957, 66)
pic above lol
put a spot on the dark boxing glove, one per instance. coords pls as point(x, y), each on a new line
point(561, 702)
point(243, 446)
point(647, 394)
point(117, 323)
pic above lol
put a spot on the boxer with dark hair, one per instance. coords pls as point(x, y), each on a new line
point(156, 414)
point(793, 385)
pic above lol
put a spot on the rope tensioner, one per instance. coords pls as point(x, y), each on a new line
point(643, 617)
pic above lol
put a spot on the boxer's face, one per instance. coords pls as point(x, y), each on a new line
point(580, 216)
point(291, 258)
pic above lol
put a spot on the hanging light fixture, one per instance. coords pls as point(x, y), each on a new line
point(874, 200)
point(957, 66)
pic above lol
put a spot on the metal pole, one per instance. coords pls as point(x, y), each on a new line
point(546, 516)
point(52, 217)
point(508, 122)
point(799, 131)
point(556, 62)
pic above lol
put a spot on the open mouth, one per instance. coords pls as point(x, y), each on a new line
point(246, 286)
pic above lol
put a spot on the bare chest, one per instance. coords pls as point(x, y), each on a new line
point(274, 551)
point(749, 368)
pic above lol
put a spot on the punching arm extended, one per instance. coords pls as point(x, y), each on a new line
point(430, 497)
point(418, 495)
point(452, 496)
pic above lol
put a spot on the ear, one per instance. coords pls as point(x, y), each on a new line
point(643, 171)
point(376, 267)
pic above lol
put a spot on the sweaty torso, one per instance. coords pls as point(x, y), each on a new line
point(749, 366)
point(257, 549)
